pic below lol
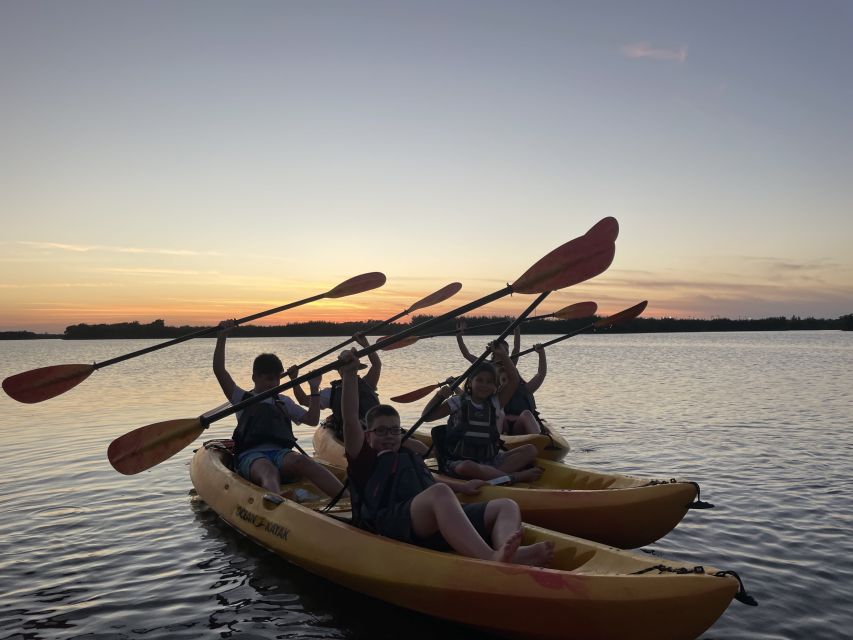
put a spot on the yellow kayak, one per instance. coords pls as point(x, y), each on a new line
point(591, 592)
point(618, 510)
point(551, 447)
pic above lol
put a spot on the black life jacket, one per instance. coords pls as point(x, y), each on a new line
point(263, 423)
point(472, 433)
point(522, 400)
point(396, 477)
point(367, 399)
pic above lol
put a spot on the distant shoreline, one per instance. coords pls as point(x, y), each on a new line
point(159, 330)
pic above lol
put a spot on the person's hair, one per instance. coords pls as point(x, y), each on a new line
point(267, 364)
point(483, 366)
point(380, 410)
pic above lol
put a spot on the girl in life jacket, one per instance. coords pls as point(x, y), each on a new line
point(470, 447)
point(520, 412)
point(395, 495)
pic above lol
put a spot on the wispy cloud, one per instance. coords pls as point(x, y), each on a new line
point(57, 285)
point(82, 248)
point(646, 50)
point(153, 271)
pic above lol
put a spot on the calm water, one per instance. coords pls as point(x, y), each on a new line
point(761, 420)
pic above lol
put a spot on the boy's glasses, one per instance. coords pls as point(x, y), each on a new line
point(384, 431)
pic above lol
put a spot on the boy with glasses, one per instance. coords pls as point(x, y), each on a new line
point(395, 495)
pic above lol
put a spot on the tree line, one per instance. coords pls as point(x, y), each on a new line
point(159, 330)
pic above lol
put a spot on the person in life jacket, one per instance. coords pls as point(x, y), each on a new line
point(395, 495)
point(520, 414)
point(330, 397)
point(263, 439)
point(471, 446)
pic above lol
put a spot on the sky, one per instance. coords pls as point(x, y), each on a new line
point(198, 160)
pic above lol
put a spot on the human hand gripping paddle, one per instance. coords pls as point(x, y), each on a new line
point(574, 311)
point(48, 382)
point(575, 261)
point(604, 323)
point(432, 299)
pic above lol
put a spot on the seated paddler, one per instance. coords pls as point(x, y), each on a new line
point(394, 494)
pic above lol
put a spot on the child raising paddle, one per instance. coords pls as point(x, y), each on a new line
point(470, 447)
point(395, 495)
point(263, 439)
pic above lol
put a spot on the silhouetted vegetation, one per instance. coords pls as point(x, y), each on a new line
point(159, 330)
point(27, 335)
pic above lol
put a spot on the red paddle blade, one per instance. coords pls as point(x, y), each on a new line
point(622, 316)
point(402, 342)
point(606, 228)
point(45, 383)
point(577, 310)
point(147, 446)
point(358, 284)
point(417, 394)
point(439, 296)
point(577, 260)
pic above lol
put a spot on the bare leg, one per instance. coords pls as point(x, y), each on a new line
point(295, 464)
point(516, 462)
point(436, 509)
point(471, 469)
point(263, 473)
point(526, 423)
point(503, 519)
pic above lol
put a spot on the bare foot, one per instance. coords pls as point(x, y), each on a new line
point(540, 554)
point(527, 475)
point(509, 548)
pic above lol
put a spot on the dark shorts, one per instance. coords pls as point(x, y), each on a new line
point(244, 461)
point(396, 523)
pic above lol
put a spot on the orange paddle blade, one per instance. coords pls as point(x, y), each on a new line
point(358, 284)
point(47, 382)
point(439, 296)
point(402, 342)
point(575, 261)
point(577, 310)
point(417, 394)
point(147, 446)
point(622, 316)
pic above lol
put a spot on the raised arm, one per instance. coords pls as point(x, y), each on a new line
point(536, 381)
point(298, 393)
point(353, 433)
point(516, 344)
point(505, 362)
point(312, 416)
point(460, 329)
point(225, 380)
point(372, 375)
point(437, 406)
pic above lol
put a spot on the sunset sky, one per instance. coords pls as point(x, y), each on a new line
point(193, 161)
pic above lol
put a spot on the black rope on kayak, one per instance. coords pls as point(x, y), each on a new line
point(696, 504)
point(741, 595)
point(699, 504)
point(662, 568)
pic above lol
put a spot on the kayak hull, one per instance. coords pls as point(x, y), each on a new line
point(617, 510)
point(589, 593)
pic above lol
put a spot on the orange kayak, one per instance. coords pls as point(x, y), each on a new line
point(591, 592)
point(618, 510)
